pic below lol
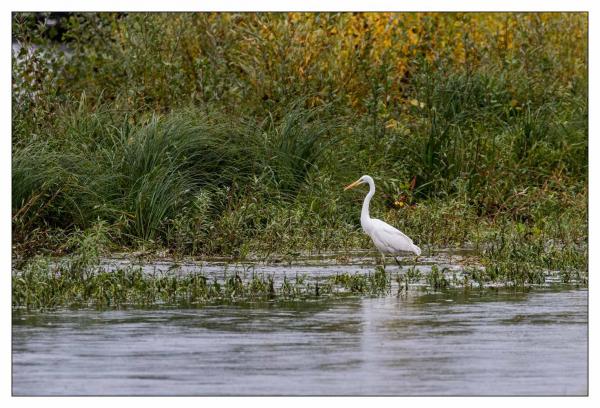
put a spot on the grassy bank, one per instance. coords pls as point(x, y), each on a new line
point(233, 134)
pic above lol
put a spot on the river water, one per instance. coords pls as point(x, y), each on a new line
point(475, 342)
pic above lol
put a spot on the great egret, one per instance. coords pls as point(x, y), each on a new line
point(386, 238)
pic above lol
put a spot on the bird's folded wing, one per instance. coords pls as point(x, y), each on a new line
point(391, 237)
point(388, 229)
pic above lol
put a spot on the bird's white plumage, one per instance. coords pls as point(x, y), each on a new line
point(390, 240)
point(386, 238)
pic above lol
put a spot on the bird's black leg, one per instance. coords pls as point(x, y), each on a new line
point(399, 263)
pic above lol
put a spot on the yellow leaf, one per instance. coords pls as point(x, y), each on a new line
point(391, 124)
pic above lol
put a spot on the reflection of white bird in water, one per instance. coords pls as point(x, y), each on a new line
point(386, 238)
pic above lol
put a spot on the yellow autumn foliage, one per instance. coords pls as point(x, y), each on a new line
point(237, 57)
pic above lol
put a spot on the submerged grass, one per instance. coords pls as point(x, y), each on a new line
point(77, 281)
point(45, 286)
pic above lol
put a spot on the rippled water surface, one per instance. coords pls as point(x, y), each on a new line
point(459, 343)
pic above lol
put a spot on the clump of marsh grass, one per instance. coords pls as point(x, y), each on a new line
point(376, 283)
point(143, 177)
point(522, 256)
point(295, 144)
point(436, 278)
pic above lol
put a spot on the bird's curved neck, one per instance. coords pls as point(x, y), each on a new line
point(364, 214)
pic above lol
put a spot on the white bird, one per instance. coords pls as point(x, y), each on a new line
point(386, 238)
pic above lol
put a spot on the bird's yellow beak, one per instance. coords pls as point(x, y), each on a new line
point(349, 186)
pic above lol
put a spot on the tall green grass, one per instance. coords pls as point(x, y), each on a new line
point(140, 177)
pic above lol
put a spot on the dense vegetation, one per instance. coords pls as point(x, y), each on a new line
point(234, 133)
